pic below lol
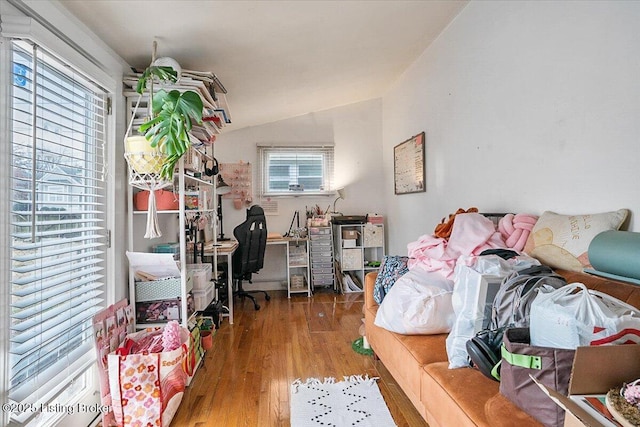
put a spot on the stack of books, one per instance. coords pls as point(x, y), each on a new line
point(215, 114)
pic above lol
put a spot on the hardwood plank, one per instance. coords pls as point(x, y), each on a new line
point(246, 376)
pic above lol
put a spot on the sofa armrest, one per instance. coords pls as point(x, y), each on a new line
point(369, 282)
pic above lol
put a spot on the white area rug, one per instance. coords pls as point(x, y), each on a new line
point(356, 401)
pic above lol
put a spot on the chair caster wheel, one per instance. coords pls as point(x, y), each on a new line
point(257, 307)
point(267, 297)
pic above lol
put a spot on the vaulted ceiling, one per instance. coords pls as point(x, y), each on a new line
point(277, 59)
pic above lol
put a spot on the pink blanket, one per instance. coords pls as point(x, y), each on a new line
point(472, 233)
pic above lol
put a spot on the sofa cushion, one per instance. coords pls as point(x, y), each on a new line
point(503, 413)
point(404, 355)
point(464, 396)
point(456, 396)
point(562, 241)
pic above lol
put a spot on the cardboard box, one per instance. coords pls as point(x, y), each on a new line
point(595, 371)
point(349, 234)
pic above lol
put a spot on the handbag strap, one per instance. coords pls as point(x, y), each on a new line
point(567, 289)
point(495, 371)
point(608, 298)
point(189, 356)
point(521, 360)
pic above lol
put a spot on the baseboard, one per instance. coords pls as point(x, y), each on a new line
point(267, 285)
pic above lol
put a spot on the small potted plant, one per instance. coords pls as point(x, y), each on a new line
point(167, 128)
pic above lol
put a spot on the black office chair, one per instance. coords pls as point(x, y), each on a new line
point(249, 257)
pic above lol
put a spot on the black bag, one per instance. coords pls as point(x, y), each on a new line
point(484, 352)
point(214, 310)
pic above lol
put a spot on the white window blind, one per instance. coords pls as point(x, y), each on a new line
point(296, 170)
point(57, 210)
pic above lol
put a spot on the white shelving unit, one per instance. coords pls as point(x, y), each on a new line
point(186, 178)
point(298, 267)
point(359, 249)
point(172, 230)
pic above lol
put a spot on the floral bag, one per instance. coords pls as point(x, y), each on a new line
point(146, 389)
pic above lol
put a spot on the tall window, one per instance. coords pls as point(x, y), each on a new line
point(296, 170)
point(57, 242)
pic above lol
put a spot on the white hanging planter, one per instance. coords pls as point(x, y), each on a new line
point(145, 164)
point(141, 156)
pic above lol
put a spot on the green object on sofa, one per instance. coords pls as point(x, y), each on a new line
point(616, 253)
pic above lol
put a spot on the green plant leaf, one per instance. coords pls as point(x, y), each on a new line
point(162, 74)
point(169, 127)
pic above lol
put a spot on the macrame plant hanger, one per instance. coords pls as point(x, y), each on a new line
point(145, 166)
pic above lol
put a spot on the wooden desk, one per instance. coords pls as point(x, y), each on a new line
point(227, 248)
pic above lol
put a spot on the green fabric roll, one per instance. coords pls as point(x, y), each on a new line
point(616, 252)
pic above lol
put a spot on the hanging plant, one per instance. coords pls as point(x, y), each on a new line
point(171, 114)
point(152, 157)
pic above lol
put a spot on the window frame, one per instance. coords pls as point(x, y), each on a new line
point(36, 30)
point(265, 153)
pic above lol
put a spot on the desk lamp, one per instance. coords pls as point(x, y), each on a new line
point(221, 189)
point(341, 195)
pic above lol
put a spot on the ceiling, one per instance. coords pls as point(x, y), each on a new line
point(277, 59)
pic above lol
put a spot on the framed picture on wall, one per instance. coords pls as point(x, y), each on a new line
point(409, 165)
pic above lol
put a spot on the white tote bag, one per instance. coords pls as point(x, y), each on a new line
point(419, 303)
point(574, 316)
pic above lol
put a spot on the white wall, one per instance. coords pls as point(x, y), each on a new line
point(527, 107)
point(355, 130)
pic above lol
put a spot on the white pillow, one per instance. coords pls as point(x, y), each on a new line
point(562, 241)
point(419, 303)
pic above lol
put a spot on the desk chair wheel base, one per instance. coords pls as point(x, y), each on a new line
point(247, 294)
point(243, 295)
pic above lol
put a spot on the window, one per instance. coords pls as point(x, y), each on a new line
point(57, 241)
point(296, 170)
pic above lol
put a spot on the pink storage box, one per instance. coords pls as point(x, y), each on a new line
point(165, 200)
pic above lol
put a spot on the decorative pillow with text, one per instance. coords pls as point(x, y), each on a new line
point(562, 241)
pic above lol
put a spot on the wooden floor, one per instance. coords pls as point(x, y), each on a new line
point(245, 378)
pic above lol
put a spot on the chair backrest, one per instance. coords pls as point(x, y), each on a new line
point(252, 242)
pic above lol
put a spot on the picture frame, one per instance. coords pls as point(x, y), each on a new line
point(409, 165)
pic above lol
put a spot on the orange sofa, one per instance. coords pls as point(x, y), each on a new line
point(457, 397)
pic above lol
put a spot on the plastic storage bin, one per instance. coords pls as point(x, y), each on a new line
point(202, 298)
point(201, 276)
